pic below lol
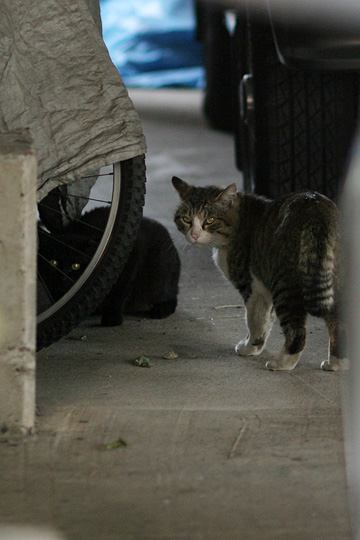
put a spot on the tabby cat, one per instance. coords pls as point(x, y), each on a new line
point(282, 256)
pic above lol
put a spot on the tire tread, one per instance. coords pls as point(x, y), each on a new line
point(304, 123)
point(94, 290)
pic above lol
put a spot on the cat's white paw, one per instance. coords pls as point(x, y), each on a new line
point(335, 364)
point(283, 362)
point(244, 348)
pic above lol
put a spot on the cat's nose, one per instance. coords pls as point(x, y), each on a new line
point(195, 236)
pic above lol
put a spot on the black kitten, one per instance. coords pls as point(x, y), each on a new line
point(148, 284)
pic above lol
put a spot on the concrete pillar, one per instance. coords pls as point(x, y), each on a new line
point(17, 282)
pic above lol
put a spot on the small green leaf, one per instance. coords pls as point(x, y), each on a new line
point(114, 445)
point(142, 361)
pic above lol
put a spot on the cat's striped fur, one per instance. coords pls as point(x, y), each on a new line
point(282, 256)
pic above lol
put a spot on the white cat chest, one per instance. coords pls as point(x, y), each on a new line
point(219, 256)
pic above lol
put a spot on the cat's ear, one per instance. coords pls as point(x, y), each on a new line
point(228, 194)
point(181, 187)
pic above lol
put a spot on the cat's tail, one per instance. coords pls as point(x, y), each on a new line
point(318, 259)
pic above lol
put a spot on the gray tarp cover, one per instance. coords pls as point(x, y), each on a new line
point(56, 78)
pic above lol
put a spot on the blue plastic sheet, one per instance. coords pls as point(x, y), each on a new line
point(153, 43)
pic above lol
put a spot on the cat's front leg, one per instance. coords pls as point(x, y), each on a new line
point(259, 319)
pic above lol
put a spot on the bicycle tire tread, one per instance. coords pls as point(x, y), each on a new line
point(94, 290)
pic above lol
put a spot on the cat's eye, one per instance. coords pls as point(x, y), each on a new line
point(53, 262)
point(209, 221)
point(186, 220)
point(75, 266)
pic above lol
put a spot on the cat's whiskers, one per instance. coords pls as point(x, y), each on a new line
point(186, 247)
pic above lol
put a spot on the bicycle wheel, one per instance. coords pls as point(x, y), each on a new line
point(69, 293)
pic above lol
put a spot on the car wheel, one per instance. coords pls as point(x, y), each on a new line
point(295, 127)
point(216, 39)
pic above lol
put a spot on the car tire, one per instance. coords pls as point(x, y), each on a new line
point(295, 127)
point(216, 39)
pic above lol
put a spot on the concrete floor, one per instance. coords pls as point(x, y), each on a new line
point(217, 447)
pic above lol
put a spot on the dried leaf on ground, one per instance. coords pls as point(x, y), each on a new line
point(170, 355)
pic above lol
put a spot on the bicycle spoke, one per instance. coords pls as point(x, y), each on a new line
point(44, 285)
point(87, 198)
point(55, 239)
point(97, 175)
point(74, 219)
